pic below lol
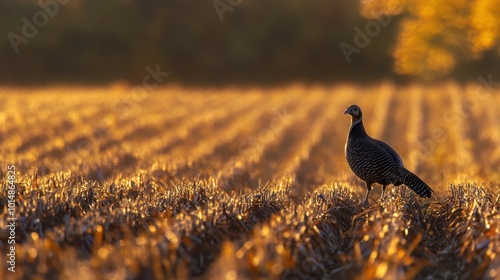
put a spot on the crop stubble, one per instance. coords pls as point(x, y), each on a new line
point(248, 183)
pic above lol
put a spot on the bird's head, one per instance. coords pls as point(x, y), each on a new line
point(355, 113)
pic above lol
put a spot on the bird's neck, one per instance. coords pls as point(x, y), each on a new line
point(357, 129)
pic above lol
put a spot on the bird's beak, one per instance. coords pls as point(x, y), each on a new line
point(346, 112)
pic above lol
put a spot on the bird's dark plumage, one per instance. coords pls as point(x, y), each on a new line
point(374, 161)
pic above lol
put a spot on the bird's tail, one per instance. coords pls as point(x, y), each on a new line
point(415, 184)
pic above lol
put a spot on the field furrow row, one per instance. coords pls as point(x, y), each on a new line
point(239, 171)
point(272, 165)
point(220, 145)
point(458, 119)
point(127, 156)
point(380, 112)
point(326, 158)
point(302, 148)
point(415, 127)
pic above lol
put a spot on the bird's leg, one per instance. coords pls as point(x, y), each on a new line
point(383, 191)
point(369, 188)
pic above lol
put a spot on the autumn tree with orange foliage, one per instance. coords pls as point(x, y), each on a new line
point(435, 36)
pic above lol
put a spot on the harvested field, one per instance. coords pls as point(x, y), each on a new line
point(230, 183)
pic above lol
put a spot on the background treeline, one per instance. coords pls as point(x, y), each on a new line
point(258, 41)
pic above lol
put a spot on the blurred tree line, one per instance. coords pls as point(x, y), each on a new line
point(435, 36)
point(202, 42)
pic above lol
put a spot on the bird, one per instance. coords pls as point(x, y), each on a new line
point(374, 161)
